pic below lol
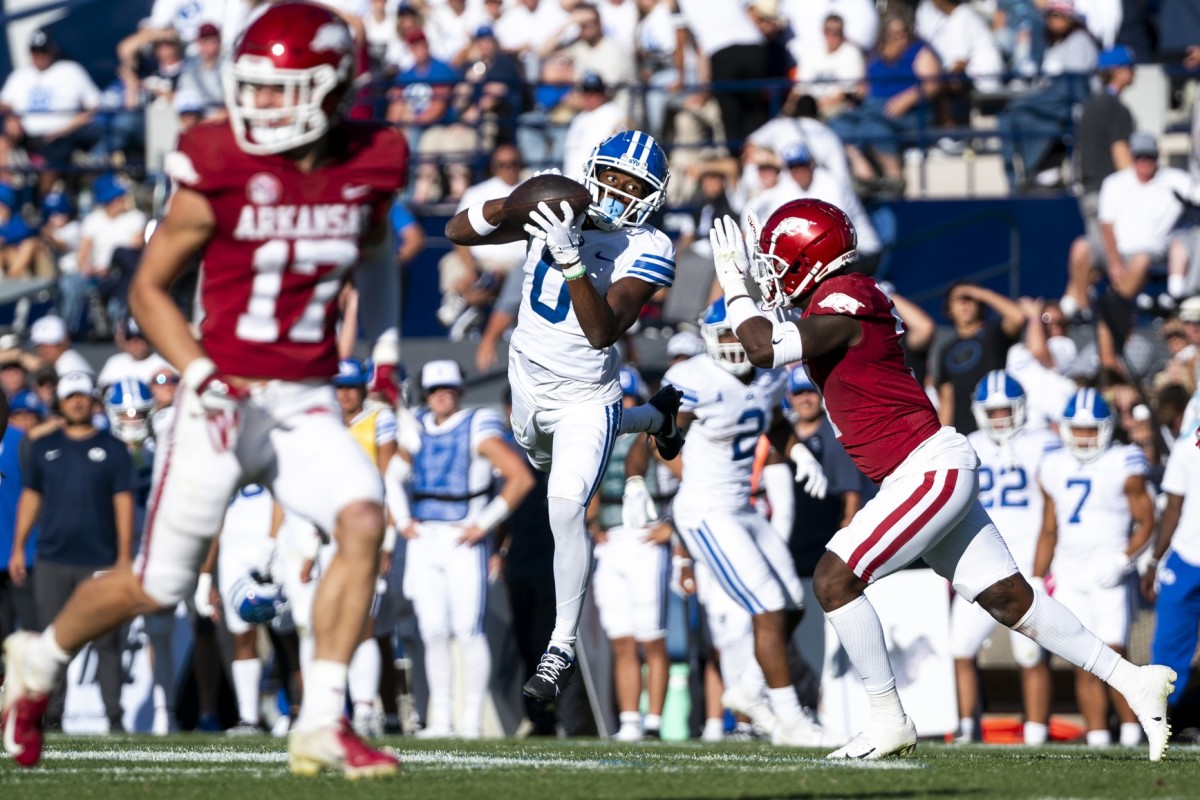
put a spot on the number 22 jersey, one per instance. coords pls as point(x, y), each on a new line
point(284, 243)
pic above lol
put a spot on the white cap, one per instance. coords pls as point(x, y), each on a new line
point(685, 343)
point(1189, 310)
point(439, 374)
point(75, 383)
point(48, 330)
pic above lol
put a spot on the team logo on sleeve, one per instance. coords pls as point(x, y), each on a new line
point(841, 303)
point(264, 189)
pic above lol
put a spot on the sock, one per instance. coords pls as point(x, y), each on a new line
point(363, 679)
point(247, 678)
point(738, 664)
point(1036, 733)
point(1176, 284)
point(631, 719)
point(1099, 738)
point(652, 722)
point(1053, 626)
point(785, 704)
point(324, 695)
point(477, 673)
point(45, 662)
point(308, 650)
point(714, 728)
point(437, 676)
point(572, 569)
point(966, 728)
point(641, 419)
point(1131, 734)
point(861, 634)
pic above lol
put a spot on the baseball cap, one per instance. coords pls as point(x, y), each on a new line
point(28, 402)
point(414, 36)
point(592, 82)
point(798, 381)
point(40, 41)
point(797, 154)
point(484, 32)
point(443, 374)
point(50, 329)
point(74, 383)
point(685, 343)
point(1143, 143)
point(1064, 8)
point(1119, 56)
point(108, 187)
point(207, 30)
point(1189, 310)
point(56, 203)
point(130, 328)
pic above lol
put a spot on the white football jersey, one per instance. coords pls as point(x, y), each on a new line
point(248, 516)
point(552, 357)
point(1008, 486)
point(718, 454)
point(1089, 501)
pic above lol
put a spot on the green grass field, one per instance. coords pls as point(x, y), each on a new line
point(181, 767)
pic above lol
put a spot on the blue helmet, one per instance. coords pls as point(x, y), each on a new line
point(730, 355)
point(999, 390)
point(352, 372)
point(634, 153)
point(632, 384)
point(1086, 411)
point(128, 404)
point(256, 598)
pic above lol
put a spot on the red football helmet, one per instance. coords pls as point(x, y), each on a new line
point(801, 244)
point(309, 53)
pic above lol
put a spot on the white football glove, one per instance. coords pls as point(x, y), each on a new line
point(637, 507)
point(561, 235)
point(729, 257)
point(1110, 569)
point(809, 473)
point(202, 597)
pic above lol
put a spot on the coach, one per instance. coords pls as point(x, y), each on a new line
point(79, 489)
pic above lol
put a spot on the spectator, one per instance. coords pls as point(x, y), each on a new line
point(593, 52)
point(182, 18)
point(1102, 149)
point(399, 57)
point(137, 359)
point(110, 245)
point(20, 247)
point(1042, 362)
point(830, 73)
point(525, 27)
point(17, 607)
point(49, 107)
point(450, 29)
point(45, 379)
point(542, 130)
point(1020, 33)
point(409, 237)
point(1103, 18)
point(1033, 123)
point(61, 233)
point(798, 122)
point(902, 77)
point(52, 343)
point(25, 412)
point(979, 346)
point(470, 277)
point(497, 89)
point(666, 61)
point(963, 43)
point(859, 17)
point(379, 23)
point(598, 118)
point(713, 199)
point(201, 74)
point(163, 386)
point(78, 488)
point(14, 377)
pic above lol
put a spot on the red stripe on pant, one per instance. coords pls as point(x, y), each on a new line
point(156, 498)
point(920, 522)
point(890, 520)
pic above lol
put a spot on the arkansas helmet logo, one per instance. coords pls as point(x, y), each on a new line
point(791, 225)
point(331, 36)
point(841, 303)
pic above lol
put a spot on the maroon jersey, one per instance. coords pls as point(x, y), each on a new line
point(877, 407)
point(284, 243)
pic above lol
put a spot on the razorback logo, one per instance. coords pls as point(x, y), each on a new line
point(841, 303)
point(331, 36)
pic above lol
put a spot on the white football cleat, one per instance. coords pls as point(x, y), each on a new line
point(1149, 702)
point(805, 732)
point(628, 733)
point(881, 740)
point(337, 747)
point(741, 700)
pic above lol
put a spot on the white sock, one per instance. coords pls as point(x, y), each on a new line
point(572, 569)
point(1176, 285)
point(365, 666)
point(1053, 626)
point(437, 675)
point(738, 664)
point(1131, 734)
point(1099, 738)
point(324, 695)
point(308, 652)
point(247, 679)
point(861, 634)
point(785, 704)
point(630, 719)
point(652, 722)
point(641, 419)
point(714, 727)
point(477, 673)
point(966, 727)
point(1036, 733)
point(45, 662)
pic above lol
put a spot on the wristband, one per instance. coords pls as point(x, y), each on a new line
point(493, 514)
point(786, 344)
point(478, 222)
point(389, 540)
point(739, 309)
point(574, 271)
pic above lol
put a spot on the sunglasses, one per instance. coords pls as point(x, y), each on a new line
point(166, 380)
point(503, 164)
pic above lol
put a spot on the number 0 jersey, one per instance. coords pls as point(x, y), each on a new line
point(284, 243)
point(1009, 489)
point(718, 453)
point(553, 356)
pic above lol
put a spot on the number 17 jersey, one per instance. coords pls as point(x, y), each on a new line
point(284, 243)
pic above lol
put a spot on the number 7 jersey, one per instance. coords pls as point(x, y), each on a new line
point(284, 243)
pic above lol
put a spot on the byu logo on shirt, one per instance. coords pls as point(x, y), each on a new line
point(97, 454)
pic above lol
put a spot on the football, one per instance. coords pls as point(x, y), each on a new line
point(548, 189)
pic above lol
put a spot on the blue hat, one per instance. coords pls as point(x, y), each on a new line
point(1118, 56)
point(798, 381)
point(27, 401)
point(797, 154)
point(8, 197)
point(109, 187)
point(56, 203)
point(485, 32)
point(352, 372)
point(632, 384)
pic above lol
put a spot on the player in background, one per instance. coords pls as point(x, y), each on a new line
point(446, 515)
point(1098, 517)
point(727, 406)
point(281, 201)
point(848, 335)
point(1010, 455)
point(586, 281)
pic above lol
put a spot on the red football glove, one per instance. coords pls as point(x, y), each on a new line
point(385, 382)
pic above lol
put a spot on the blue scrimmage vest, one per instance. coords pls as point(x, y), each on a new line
point(440, 485)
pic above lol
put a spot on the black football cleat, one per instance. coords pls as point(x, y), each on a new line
point(669, 439)
point(554, 672)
